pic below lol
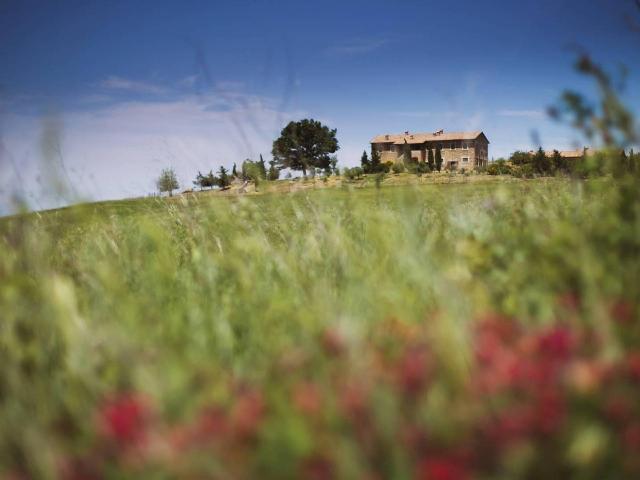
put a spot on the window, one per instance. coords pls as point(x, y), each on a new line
point(465, 146)
point(465, 159)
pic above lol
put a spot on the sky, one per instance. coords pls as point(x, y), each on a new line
point(96, 97)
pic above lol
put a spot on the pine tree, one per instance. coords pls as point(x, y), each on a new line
point(438, 159)
point(209, 180)
point(234, 171)
point(199, 181)
point(364, 162)
point(223, 178)
point(431, 161)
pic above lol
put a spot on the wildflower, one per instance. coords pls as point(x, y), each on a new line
point(124, 419)
point(414, 370)
point(557, 343)
point(306, 397)
point(247, 414)
point(333, 342)
point(442, 468)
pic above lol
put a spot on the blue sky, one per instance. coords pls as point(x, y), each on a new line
point(105, 94)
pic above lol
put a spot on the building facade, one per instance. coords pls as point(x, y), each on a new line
point(469, 150)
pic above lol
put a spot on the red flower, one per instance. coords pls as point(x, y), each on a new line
point(414, 370)
point(124, 419)
point(633, 365)
point(318, 467)
point(557, 343)
point(442, 468)
point(333, 342)
point(306, 397)
point(247, 414)
point(549, 412)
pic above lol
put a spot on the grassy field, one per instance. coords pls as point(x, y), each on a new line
point(450, 329)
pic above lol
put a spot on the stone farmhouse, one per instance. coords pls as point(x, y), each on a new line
point(467, 150)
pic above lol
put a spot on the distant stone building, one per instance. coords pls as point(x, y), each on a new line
point(459, 150)
point(569, 154)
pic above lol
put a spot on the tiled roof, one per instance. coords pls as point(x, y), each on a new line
point(413, 138)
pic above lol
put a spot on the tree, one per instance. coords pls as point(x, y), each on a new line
point(167, 181)
point(430, 160)
point(375, 164)
point(273, 173)
point(520, 158)
point(200, 180)
point(223, 178)
point(234, 171)
point(262, 169)
point(558, 162)
point(438, 159)
point(251, 171)
point(333, 164)
point(210, 180)
point(541, 162)
point(305, 144)
point(406, 152)
point(364, 162)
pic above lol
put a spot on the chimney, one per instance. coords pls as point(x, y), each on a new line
point(386, 137)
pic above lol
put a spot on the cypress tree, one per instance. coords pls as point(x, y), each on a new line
point(374, 163)
point(364, 162)
point(438, 159)
point(430, 160)
point(262, 169)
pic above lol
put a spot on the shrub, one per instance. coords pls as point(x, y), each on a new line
point(398, 168)
point(499, 167)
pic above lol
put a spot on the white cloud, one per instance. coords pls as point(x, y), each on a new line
point(117, 150)
point(118, 83)
point(521, 113)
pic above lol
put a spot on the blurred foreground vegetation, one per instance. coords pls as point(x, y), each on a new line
point(435, 331)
